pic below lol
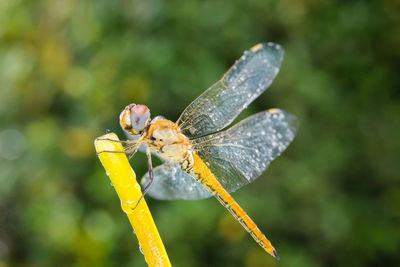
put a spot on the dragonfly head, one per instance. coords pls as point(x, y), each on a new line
point(134, 118)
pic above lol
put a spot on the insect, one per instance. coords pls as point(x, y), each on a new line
point(201, 159)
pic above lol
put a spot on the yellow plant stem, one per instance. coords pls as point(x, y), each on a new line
point(124, 181)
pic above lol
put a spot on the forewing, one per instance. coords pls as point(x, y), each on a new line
point(219, 105)
point(242, 153)
point(170, 182)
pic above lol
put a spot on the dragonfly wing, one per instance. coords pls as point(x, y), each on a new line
point(219, 105)
point(242, 153)
point(170, 182)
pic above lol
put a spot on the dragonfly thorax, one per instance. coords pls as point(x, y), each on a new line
point(165, 138)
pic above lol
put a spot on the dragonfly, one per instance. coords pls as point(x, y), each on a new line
point(201, 157)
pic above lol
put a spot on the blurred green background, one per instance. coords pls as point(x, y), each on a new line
point(67, 69)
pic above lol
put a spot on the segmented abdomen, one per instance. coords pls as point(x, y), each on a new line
point(203, 174)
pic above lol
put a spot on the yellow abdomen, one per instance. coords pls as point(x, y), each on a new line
point(202, 173)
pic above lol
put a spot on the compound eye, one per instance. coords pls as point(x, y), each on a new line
point(140, 116)
point(125, 119)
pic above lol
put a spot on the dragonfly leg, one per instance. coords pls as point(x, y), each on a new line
point(151, 177)
point(132, 151)
point(112, 140)
point(129, 148)
point(110, 151)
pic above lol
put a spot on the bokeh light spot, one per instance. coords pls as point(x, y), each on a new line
point(99, 225)
point(12, 144)
point(135, 88)
point(230, 229)
point(78, 143)
point(43, 134)
point(78, 81)
point(55, 60)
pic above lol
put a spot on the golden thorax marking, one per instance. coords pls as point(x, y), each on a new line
point(166, 139)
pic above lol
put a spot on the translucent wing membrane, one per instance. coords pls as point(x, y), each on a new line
point(170, 182)
point(242, 153)
point(219, 105)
